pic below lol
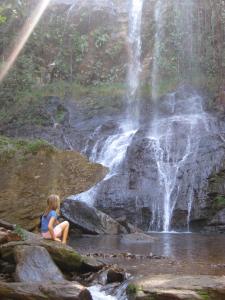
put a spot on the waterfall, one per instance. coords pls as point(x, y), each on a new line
point(159, 36)
point(159, 166)
point(111, 150)
point(133, 80)
point(175, 137)
point(175, 140)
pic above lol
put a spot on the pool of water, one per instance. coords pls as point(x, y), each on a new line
point(187, 253)
point(175, 245)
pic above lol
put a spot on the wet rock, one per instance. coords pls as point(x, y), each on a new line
point(137, 190)
point(115, 275)
point(38, 291)
point(218, 219)
point(6, 267)
point(34, 264)
point(7, 225)
point(129, 227)
point(124, 255)
point(3, 235)
point(89, 219)
point(8, 236)
point(174, 287)
point(90, 264)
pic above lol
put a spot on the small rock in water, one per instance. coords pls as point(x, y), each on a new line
point(137, 237)
point(115, 275)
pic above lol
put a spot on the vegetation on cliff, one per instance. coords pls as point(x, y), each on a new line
point(88, 46)
point(20, 147)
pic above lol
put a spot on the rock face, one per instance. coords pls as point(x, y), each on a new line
point(177, 287)
point(34, 264)
point(157, 169)
point(28, 178)
point(89, 219)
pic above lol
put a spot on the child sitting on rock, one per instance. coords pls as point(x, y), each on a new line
point(50, 227)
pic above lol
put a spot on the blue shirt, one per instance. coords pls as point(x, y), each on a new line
point(45, 220)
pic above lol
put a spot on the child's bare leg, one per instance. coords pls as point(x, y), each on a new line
point(65, 229)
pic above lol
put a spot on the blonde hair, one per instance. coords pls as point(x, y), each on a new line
point(53, 203)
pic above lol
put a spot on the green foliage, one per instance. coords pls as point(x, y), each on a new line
point(132, 289)
point(74, 50)
point(114, 50)
point(74, 89)
point(21, 78)
point(80, 44)
point(219, 202)
point(9, 147)
point(36, 145)
point(2, 19)
point(101, 37)
point(20, 232)
point(60, 114)
point(204, 295)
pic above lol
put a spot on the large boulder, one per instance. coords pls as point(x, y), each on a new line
point(34, 264)
point(40, 291)
point(66, 258)
point(89, 219)
point(174, 287)
point(31, 170)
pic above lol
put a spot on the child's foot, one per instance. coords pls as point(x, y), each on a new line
point(57, 240)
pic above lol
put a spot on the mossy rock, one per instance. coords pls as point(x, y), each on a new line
point(64, 256)
point(67, 259)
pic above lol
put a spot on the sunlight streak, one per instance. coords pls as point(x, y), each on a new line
point(23, 37)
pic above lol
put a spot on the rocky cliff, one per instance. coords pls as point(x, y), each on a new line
point(31, 170)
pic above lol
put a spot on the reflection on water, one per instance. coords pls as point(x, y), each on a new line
point(188, 247)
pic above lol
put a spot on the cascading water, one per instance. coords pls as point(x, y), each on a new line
point(175, 140)
point(134, 70)
point(111, 150)
point(175, 137)
point(159, 35)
